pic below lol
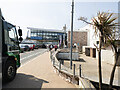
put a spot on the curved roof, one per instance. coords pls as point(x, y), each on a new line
point(47, 30)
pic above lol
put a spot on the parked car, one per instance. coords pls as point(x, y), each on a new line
point(31, 46)
point(27, 48)
point(44, 46)
point(36, 46)
point(22, 48)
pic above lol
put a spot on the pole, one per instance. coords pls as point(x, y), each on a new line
point(53, 61)
point(79, 70)
point(60, 65)
point(71, 35)
point(1, 45)
point(73, 70)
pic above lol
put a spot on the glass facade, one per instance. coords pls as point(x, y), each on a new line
point(45, 35)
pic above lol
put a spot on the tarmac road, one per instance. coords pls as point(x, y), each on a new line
point(29, 55)
point(37, 74)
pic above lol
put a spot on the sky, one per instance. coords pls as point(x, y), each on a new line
point(52, 14)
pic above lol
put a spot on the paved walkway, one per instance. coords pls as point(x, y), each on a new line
point(90, 69)
point(38, 73)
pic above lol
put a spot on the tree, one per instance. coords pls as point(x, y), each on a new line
point(114, 41)
point(104, 25)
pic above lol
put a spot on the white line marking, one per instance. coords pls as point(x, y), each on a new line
point(31, 55)
point(31, 60)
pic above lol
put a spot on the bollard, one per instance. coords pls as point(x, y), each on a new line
point(73, 69)
point(60, 65)
point(53, 61)
point(62, 62)
point(80, 70)
point(51, 58)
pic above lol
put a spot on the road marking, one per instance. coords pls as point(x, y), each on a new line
point(31, 55)
point(32, 59)
point(26, 52)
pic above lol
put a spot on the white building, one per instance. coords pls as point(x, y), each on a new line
point(107, 55)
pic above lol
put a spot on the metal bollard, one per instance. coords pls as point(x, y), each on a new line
point(53, 61)
point(60, 65)
point(51, 58)
point(73, 69)
point(62, 62)
point(80, 70)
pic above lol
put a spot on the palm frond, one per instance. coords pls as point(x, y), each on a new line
point(109, 17)
point(111, 20)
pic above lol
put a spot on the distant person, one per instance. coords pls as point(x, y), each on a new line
point(74, 45)
point(56, 47)
point(50, 47)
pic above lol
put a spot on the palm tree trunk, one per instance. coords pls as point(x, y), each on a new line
point(99, 64)
point(113, 70)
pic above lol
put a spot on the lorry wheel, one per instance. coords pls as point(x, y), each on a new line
point(10, 71)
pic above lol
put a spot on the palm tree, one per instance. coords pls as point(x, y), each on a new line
point(114, 41)
point(104, 25)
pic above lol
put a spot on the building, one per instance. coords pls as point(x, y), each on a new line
point(107, 54)
point(48, 35)
point(79, 37)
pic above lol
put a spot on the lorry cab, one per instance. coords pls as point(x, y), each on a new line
point(10, 42)
point(10, 49)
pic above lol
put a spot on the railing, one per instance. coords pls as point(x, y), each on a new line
point(71, 75)
point(60, 65)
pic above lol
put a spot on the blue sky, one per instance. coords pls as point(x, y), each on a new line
point(51, 15)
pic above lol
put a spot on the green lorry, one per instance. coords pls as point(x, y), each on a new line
point(10, 49)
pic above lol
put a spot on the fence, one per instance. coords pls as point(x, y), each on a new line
point(60, 65)
point(70, 75)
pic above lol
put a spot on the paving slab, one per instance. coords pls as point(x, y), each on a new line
point(38, 73)
point(90, 69)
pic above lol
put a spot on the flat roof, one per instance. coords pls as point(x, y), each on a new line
point(47, 30)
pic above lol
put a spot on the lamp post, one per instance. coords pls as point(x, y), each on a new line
point(71, 35)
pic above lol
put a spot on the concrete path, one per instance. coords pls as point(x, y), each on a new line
point(90, 69)
point(38, 73)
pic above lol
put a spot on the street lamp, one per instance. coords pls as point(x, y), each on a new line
point(71, 35)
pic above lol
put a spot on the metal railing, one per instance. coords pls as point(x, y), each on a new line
point(60, 65)
point(74, 72)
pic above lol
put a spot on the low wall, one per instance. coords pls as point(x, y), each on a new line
point(66, 56)
point(68, 76)
point(79, 81)
point(107, 55)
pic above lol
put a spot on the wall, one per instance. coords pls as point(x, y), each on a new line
point(93, 38)
point(107, 56)
point(79, 37)
point(66, 56)
point(67, 74)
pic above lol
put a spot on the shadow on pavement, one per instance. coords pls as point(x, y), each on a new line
point(104, 86)
point(80, 60)
point(25, 81)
